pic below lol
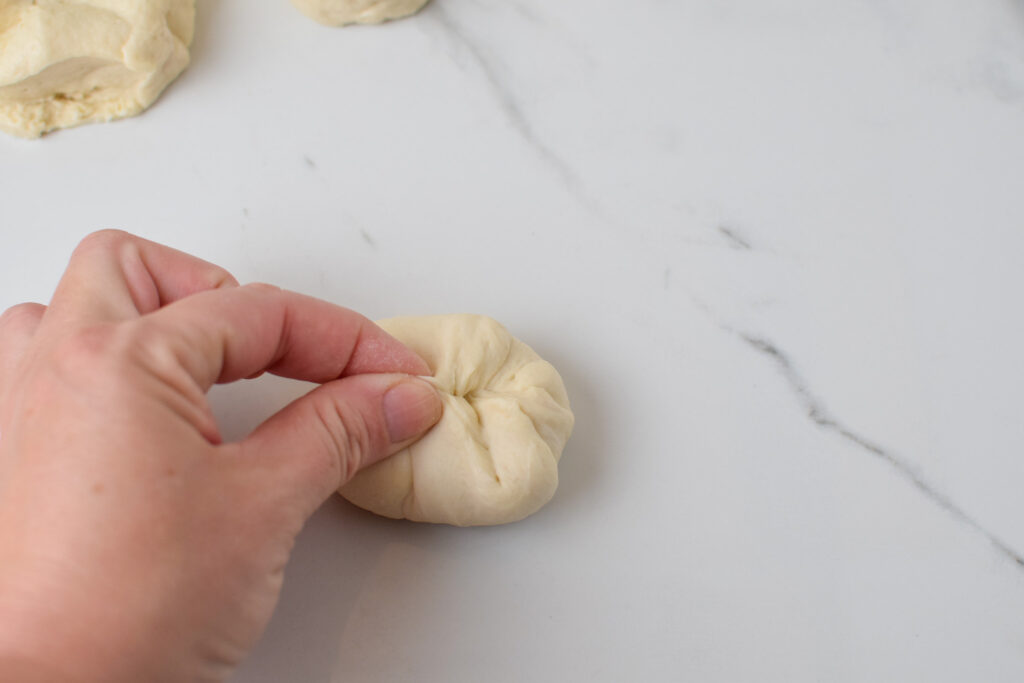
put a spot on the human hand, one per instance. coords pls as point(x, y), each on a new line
point(134, 544)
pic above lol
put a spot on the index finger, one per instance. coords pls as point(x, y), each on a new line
point(229, 334)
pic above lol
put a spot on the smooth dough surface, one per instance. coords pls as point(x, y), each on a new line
point(67, 62)
point(493, 457)
point(341, 12)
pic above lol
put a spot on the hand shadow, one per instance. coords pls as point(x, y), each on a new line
point(328, 563)
point(343, 558)
point(332, 559)
point(361, 589)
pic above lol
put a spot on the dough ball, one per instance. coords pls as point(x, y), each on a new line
point(66, 62)
point(493, 457)
point(341, 12)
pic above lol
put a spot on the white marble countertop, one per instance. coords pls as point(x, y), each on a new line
point(774, 247)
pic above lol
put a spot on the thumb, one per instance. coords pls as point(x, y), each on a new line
point(317, 443)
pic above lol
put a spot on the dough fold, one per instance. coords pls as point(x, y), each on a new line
point(342, 12)
point(68, 62)
point(493, 457)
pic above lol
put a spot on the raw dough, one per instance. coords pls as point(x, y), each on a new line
point(66, 62)
point(493, 457)
point(341, 12)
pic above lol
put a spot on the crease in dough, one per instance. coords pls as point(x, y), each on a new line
point(499, 467)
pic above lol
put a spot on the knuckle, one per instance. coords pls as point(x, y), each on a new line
point(217, 277)
point(263, 288)
point(142, 340)
point(87, 343)
point(348, 438)
point(107, 239)
point(21, 315)
point(211, 276)
point(150, 347)
point(115, 356)
point(87, 351)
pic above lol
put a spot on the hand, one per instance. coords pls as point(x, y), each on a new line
point(134, 544)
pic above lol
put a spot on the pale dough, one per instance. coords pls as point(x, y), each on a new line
point(493, 457)
point(66, 62)
point(341, 12)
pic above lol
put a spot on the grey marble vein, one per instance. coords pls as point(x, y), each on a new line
point(735, 241)
point(506, 100)
point(815, 410)
point(820, 416)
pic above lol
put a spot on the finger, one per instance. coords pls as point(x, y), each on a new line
point(114, 275)
point(230, 334)
point(18, 325)
point(316, 444)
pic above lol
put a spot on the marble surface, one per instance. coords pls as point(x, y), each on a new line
point(774, 247)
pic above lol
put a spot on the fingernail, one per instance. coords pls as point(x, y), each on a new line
point(410, 408)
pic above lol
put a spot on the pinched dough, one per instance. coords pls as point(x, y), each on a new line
point(66, 62)
point(341, 12)
point(493, 457)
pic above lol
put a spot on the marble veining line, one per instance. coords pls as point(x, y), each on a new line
point(820, 416)
point(548, 23)
point(735, 241)
point(507, 102)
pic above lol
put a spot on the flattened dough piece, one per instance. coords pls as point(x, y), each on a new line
point(67, 62)
point(341, 12)
point(493, 457)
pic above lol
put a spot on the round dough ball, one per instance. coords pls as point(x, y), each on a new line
point(493, 457)
point(66, 62)
point(341, 12)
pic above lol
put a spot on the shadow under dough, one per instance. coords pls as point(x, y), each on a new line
point(331, 560)
point(352, 572)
